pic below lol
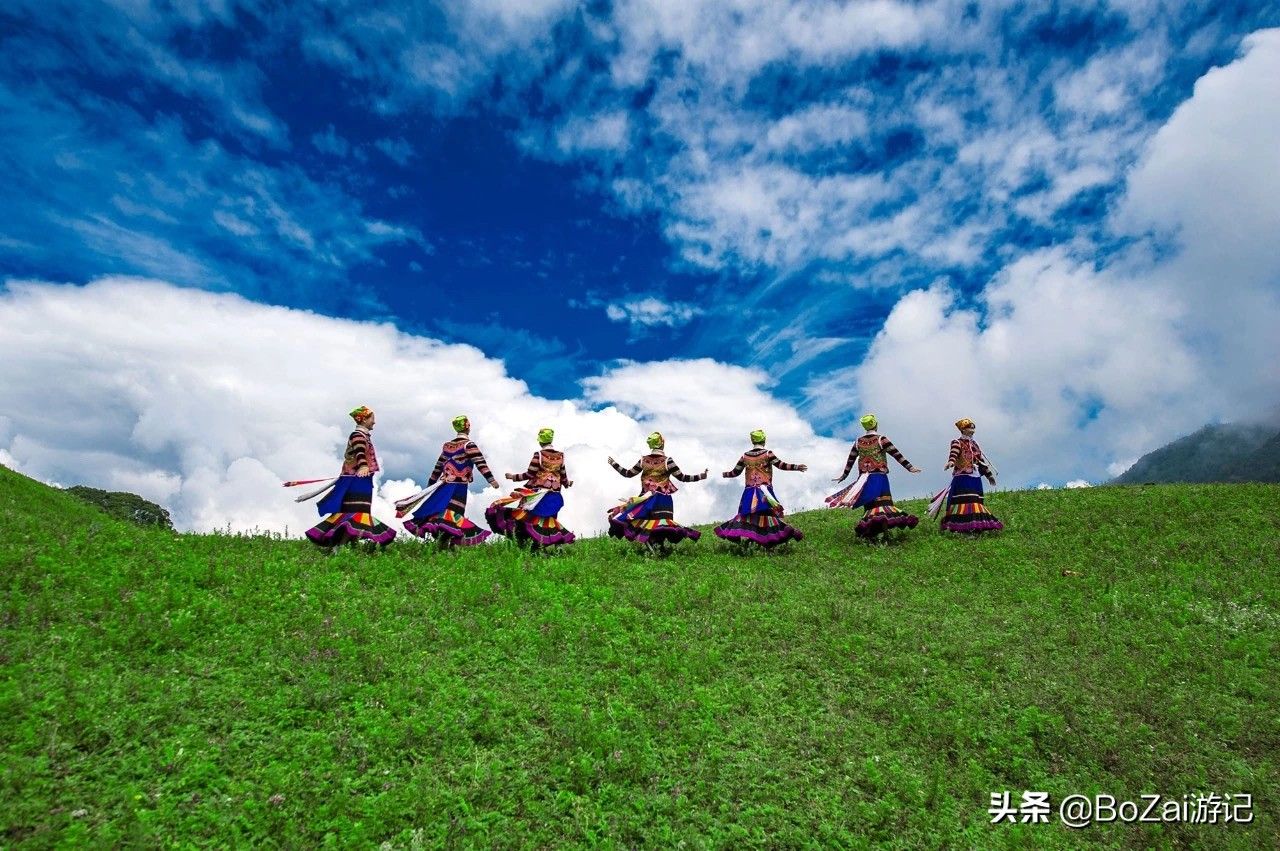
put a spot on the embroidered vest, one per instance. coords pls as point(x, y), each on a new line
point(359, 448)
point(871, 455)
point(654, 475)
point(759, 469)
point(550, 470)
point(457, 466)
point(967, 457)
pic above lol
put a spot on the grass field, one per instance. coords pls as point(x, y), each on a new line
point(175, 690)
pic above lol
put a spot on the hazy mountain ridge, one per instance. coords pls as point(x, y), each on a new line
point(1229, 452)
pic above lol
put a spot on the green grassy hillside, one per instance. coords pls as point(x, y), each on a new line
point(163, 689)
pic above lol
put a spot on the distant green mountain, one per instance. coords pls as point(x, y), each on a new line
point(1230, 452)
point(1261, 465)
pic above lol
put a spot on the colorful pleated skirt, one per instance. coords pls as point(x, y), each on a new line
point(347, 512)
point(871, 493)
point(441, 515)
point(759, 520)
point(529, 514)
point(966, 511)
point(649, 519)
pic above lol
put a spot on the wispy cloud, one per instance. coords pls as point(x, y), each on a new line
point(398, 151)
point(650, 312)
point(329, 142)
point(151, 199)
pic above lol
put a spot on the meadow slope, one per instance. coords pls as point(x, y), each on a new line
point(172, 689)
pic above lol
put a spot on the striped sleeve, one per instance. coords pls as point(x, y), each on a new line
point(477, 457)
point(435, 474)
point(535, 464)
point(783, 465)
point(677, 473)
point(633, 470)
point(737, 470)
point(887, 445)
point(853, 456)
point(358, 450)
point(954, 455)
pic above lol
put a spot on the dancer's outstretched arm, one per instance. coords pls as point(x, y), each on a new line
point(888, 447)
point(535, 464)
point(477, 457)
point(676, 473)
point(783, 465)
point(848, 465)
point(633, 470)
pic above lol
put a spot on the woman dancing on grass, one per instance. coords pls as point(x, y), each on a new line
point(759, 518)
point(870, 491)
point(530, 513)
point(349, 499)
point(966, 510)
point(648, 518)
point(444, 501)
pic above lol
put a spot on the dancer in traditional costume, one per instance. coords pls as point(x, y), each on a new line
point(441, 505)
point(966, 512)
point(759, 518)
point(530, 512)
point(647, 518)
point(870, 491)
point(348, 499)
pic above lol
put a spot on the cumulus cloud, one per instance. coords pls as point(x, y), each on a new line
point(206, 402)
point(1209, 183)
point(1075, 369)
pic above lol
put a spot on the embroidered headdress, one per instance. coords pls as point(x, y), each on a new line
point(757, 437)
point(461, 424)
point(869, 421)
point(655, 441)
point(545, 436)
point(361, 414)
point(964, 423)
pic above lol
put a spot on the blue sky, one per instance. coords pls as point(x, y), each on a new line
point(571, 186)
point(468, 203)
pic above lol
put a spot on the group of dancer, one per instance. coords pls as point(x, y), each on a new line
point(530, 513)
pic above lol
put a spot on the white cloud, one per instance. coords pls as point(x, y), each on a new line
point(411, 54)
point(1210, 181)
point(598, 133)
point(1211, 172)
point(1120, 466)
point(1058, 340)
point(733, 41)
point(738, 183)
point(650, 312)
point(206, 402)
point(816, 127)
point(1078, 483)
point(1072, 370)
